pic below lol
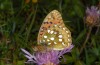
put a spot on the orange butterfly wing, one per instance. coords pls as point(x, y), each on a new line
point(53, 32)
point(52, 18)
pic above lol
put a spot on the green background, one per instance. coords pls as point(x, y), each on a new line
point(20, 22)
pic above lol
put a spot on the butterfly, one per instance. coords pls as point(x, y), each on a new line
point(54, 33)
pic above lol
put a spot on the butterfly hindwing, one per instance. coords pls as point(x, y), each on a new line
point(54, 33)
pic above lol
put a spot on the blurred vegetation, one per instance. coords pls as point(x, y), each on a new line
point(20, 21)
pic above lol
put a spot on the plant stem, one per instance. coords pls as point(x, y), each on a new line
point(30, 27)
point(97, 30)
point(86, 40)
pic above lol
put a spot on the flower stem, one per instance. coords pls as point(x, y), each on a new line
point(86, 40)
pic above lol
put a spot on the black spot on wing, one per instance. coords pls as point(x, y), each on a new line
point(50, 22)
point(44, 28)
point(46, 22)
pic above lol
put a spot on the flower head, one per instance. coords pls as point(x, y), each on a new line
point(43, 58)
point(92, 15)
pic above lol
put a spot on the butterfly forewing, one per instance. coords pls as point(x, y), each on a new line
point(52, 18)
point(54, 33)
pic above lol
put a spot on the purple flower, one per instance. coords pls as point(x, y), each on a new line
point(41, 58)
point(92, 15)
point(93, 11)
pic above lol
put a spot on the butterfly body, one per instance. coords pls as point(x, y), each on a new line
point(54, 33)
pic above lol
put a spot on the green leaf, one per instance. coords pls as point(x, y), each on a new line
point(75, 53)
point(20, 63)
point(78, 10)
point(87, 57)
point(80, 36)
point(78, 62)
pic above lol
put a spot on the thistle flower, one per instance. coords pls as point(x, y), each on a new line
point(92, 16)
point(50, 57)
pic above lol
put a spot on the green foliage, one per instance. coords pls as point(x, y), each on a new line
point(20, 23)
